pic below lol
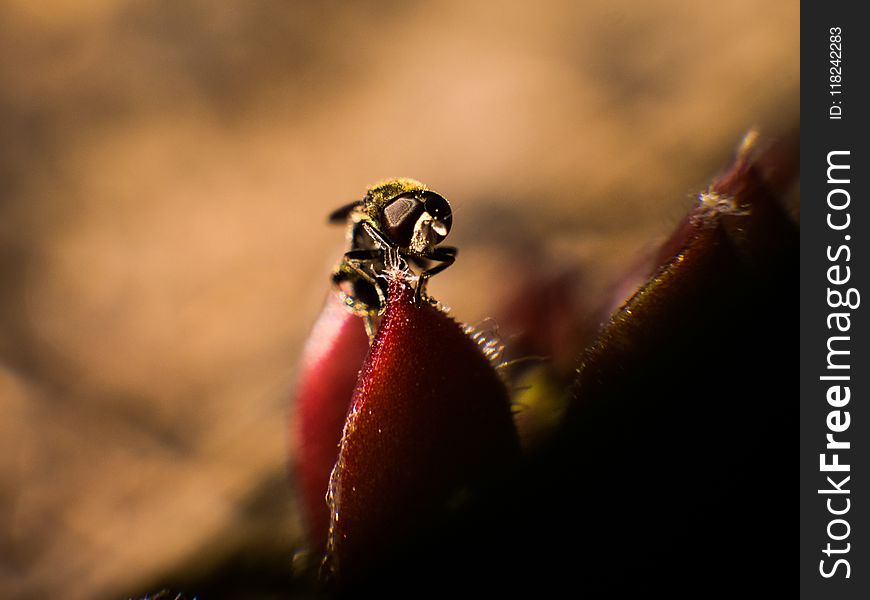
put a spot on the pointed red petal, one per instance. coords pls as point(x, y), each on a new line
point(430, 420)
point(332, 358)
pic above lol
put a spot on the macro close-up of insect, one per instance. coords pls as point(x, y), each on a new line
point(242, 355)
point(399, 221)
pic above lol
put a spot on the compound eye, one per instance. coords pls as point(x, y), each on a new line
point(400, 216)
point(437, 206)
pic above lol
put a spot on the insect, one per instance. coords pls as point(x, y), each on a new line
point(399, 221)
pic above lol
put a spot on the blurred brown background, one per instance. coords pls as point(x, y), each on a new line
point(165, 172)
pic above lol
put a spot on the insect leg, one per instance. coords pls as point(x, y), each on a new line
point(379, 239)
point(364, 255)
point(359, 270)
point(353, 258)
point(446, 256)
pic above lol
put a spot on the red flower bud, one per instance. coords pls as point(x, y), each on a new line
point(430, 420)
point(331, 361)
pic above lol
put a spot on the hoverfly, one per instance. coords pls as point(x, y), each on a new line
point(399, 221)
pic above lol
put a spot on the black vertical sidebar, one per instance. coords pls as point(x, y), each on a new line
point(835, 300)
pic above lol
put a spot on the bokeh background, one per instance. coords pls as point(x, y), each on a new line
point(165, 172)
